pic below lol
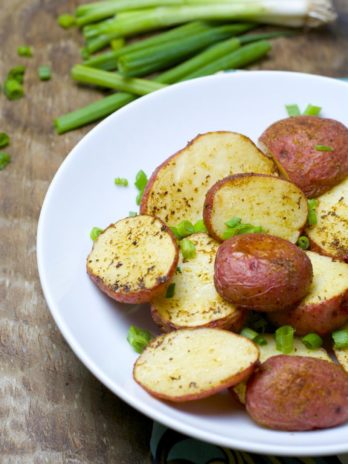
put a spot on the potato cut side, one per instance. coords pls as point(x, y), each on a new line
point(189, 364)
point(330, 235)
point(196, 302)
point(176, 190)
point(133, 259)
point(342, 355)
point(277, 205)
point(269, 350)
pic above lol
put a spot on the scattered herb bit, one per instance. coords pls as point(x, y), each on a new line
point(5, 159)
point(95, 232)
point(199, 226)
point(323, 148)
point(187, 248)
point(17, 73)
point(66, 20)
point(254, 336)
point(312, 218)
point(44, 73)
point(178, 269)
point(312, 110)
point(121, 182)
point(293, 110)
point(25, 51)
point(312, 341)
point(13, 89)
point(138, 338)
point(4, 140)
point(303, 242)
point(185, 228)
point(284, 337)
point(132, 213)
point(140, 180)
point(340, 338)
point(170, 291)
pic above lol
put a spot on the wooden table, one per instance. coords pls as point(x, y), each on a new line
point(51, 408)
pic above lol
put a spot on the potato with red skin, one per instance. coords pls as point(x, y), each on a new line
point(296, 393)
point(292, 144)
point(262, 272)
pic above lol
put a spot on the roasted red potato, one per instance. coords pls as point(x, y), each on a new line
point(133, 260)
point(298, 393)
point(294, 144)
point(325, 308)
point(262, 272)
point(195, 302)
point(190, 364)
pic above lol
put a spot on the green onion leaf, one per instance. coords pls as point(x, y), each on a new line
point(140, 180)
point(260, 340)
point(312, 215)
point(303, 242)
point(121, 182)
point(44, 73)
point(175, 232)
point(340, 338)
point(284, 337)
point(185, 228)
point(95, 232)
point(85, 55)
point(312, 110)
point(293, 110)
point(233, 222)
point(312, 341)
point(25, 50)
point(66, 20)
point(132, 213)
point(17, 73)
point(5, 159)
point(199, 226)
point(323, 148)
point(4, 140)
point(139, 197)
point(254, 336)
point(170, 291)
point(138, 338)
point(187, 248)
point(13, 89)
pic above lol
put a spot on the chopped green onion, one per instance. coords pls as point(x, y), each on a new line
point(5, 159)
point(66, 20)
point(199, 226)
point(260, 340)
point(293, 110)
point(140, 180)
point(121, 182)
point(312, 341)
point(185, 228)
point(303, 242)
point(4, 140)
point(323, 148)
point(25, 50)
point(138, 338)
point(254, 336)
point(132, 214)
point(233, 222)
point(175, 232)
point(170, 291)
point(284, 337)
point(17, 73)
point(95, 232)
point(312, 110)
point(44, 73)
point(178, 269)
point(187, 248)
point(312, 218)
point(139, 197)
point(340, 338)
point(13, 89)
point(241, 229)
point(116, 44)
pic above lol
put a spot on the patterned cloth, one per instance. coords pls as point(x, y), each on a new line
point(170, 447)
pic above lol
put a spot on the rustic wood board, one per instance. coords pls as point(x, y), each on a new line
point(51, 408)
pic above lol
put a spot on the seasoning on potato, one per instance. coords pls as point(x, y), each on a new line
point(298, 393)
point(262, 272)
point(133, 260)
point(310, 151)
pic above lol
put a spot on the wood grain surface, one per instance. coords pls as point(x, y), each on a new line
point(52, 410)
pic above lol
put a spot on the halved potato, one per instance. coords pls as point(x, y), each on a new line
point(325, 308)
point(133, 259)
point(196, 303)
point(275, 204)
point(342, 355)
point(190, 364)
point(176, 190)
point(269, 350)
point(330, 235)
